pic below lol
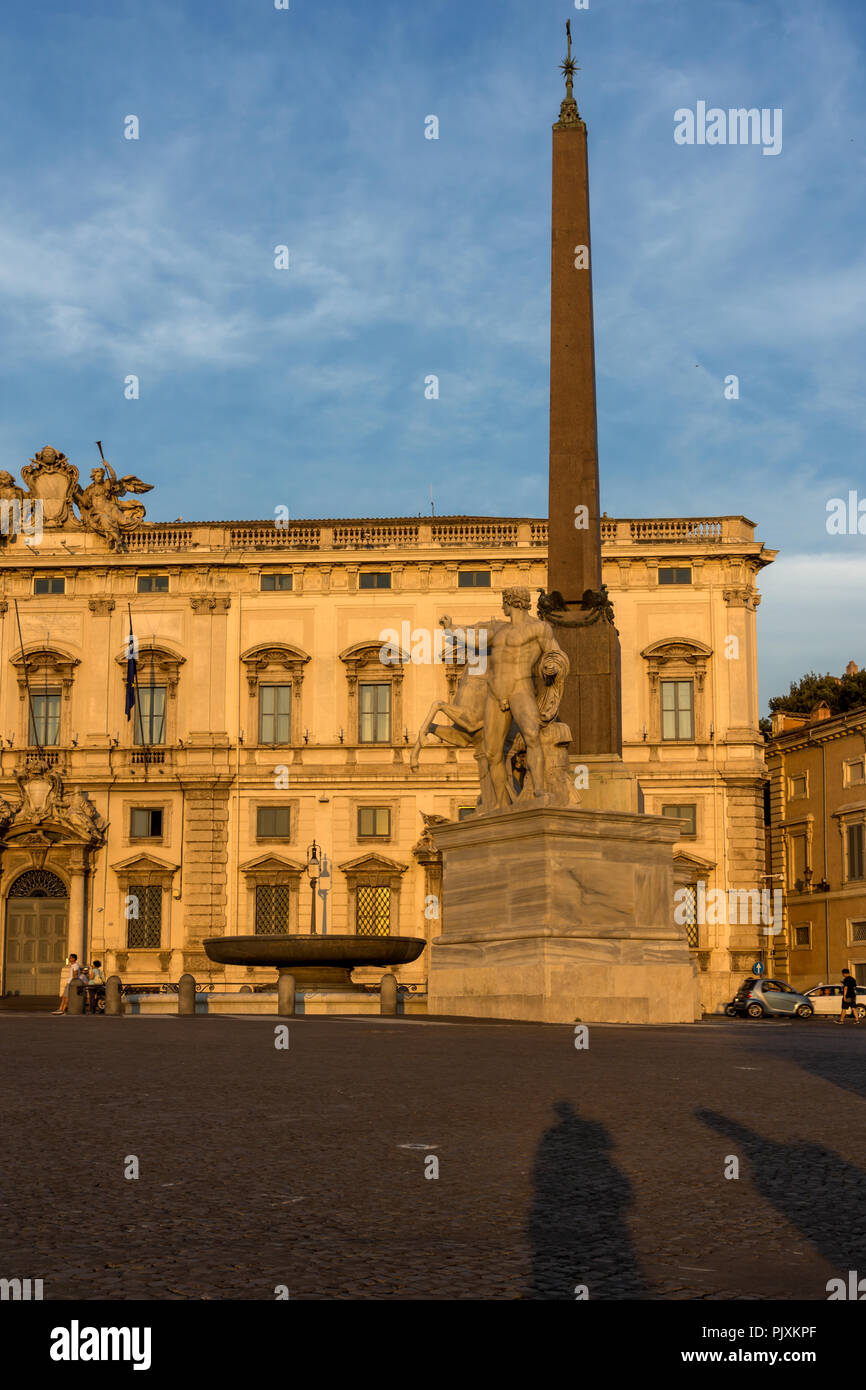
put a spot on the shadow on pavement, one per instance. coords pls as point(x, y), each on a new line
point(577, 1227)
point(839, 1055)
point(821, 1194)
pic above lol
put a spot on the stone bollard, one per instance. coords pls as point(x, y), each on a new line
point(75, 1002)
point(388, 995)
point(186, 995)
point(113, 997)
point(286, 996)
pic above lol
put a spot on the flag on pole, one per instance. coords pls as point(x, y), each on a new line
point(131, 669)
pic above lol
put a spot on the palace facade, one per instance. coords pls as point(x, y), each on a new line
point(266, 722)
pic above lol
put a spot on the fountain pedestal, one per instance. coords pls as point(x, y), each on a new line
point(319, 963)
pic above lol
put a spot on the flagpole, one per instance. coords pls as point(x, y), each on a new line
point(27, 683)
point(137, 691)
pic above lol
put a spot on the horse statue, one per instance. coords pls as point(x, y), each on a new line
point(465, 711)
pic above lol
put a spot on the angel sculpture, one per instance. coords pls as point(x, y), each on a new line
point(100, 508)
point(11, 496)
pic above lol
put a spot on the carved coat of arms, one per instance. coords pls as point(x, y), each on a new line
point(52, 482)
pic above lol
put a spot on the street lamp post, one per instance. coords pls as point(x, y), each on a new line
point(313, 869)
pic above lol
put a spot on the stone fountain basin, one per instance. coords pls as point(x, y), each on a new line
point(316, 962)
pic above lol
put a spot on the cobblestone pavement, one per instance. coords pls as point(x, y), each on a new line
point(306, 1167)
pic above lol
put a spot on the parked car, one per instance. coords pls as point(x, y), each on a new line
point(762, 998)
point(827, 999)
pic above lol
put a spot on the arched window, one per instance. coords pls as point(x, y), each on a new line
point(38, 883)
point(677, 669)
point(275, 674)
point(375, 688)
point(154, 722)
point(49, 672)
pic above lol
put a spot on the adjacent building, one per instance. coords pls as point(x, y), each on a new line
point(817, 771)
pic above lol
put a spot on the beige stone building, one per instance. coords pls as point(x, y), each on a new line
point(817, 767)
point(265, 723)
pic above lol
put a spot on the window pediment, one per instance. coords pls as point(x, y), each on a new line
point(145, 863)
point(693, 862)
point(45, 662)
point(677, 649)
point(372, 863)
point(271, 863)
point(274, 657)
point(156, 663)
point(367, 656)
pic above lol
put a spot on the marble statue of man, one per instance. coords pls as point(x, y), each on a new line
point(517, 649)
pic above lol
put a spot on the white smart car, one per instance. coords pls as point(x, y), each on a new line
point(827, 999)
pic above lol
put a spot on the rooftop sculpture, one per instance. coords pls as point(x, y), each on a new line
point(52, 481)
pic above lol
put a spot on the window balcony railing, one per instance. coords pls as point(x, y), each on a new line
point(49, 755)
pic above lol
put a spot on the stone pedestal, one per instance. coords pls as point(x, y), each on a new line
point(558, 915)
point(609, 784)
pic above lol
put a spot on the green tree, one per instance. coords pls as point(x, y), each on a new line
point(841, 693)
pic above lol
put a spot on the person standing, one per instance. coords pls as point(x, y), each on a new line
point(849, 996)
point(74, 972)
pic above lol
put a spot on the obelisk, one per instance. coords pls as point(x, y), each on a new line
point(556, 912)
point(592, 702)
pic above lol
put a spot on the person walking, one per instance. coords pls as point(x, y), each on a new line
point(74, 972)
point(849, 996)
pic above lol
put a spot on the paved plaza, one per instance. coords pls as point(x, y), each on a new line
point(305, 1167)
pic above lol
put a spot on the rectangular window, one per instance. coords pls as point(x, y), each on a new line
point(860, 972)
point(796, 859)
point(669, 574)
point(145, 823)
point(272, 909)
point(49, 586)
point(374, 714)
point(45, 718)
point(854, 772)
point(374, 820)
point(858, 931)
point(677, 710)
point(275, 714)
point(373, 910)
point(799, 785)
point(150, 714)
point(374, 579)
point(688, 814)
point(855, 851)
point(465, 811)
point(803, 935)
point(277, 581)
point(152, 584)
point(273, 822)
point(473, 579)
point(144, 916)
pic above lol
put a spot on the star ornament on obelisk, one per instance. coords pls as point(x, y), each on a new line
point(583, 624)
point(568, 112)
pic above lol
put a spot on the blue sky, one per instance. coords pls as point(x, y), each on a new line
point(305, 388)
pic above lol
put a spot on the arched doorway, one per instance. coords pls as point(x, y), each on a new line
point(37, 913)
